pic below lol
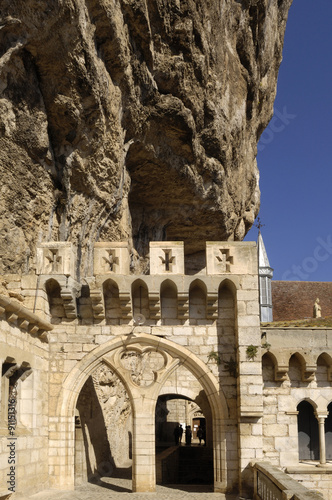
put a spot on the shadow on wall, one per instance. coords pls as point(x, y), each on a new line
point(93, 458)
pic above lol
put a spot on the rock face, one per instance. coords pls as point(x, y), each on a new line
point(132, 120)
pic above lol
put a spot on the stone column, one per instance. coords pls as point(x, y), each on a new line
point(321, 428)
point(144, 467)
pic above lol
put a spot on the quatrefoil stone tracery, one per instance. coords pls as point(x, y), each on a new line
point(143, 366)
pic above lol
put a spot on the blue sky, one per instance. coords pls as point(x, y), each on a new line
point(295, 151)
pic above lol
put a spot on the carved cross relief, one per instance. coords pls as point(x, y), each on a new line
point(225, 260)
point(53, 261)
point(169, 260)
point(110, 261)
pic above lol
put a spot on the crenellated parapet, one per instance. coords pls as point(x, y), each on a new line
point(55, 258)
point(171, 291)
point(287, 344)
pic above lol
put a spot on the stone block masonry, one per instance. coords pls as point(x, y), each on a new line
point(99, 389)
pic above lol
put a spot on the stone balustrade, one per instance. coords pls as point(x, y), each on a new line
point(270, 483)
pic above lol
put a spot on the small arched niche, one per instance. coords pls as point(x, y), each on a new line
point(268, 370)
point(226, 314)
point(226, 303)
point(16, 395)
point(85, 305)
point(169, 303)
point(140, 298)
point(8, 372)
point(324, 364)
point(112, 302)
point(296, 369)
point(197, 303)
point(55, 301)
point(308, 436)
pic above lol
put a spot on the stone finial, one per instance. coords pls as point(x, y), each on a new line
point(317, 309)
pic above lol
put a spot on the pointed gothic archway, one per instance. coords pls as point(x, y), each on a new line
point(125, 355)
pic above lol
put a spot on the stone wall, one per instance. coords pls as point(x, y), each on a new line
point(121, 345)
point(297, 368)
point(195, 327)
point(24, 424)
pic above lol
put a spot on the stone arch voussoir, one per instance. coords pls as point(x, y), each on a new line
point(76, 378)
point(79, 374)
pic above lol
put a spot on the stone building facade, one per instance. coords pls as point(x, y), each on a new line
point(96, 372)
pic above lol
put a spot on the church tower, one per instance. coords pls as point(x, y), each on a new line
point(265, 276)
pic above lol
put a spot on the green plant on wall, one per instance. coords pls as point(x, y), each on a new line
point(251, 351)
point(266, 346)
point(214, 356)
point(231, 367)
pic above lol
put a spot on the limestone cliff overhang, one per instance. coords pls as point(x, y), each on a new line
point(16, 313)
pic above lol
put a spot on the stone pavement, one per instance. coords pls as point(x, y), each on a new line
point(119, 487)
point(121, 490)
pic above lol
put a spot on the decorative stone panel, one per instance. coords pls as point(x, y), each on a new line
point(111, 258)
point(166, 257)
point(56, 257)
point(236, 257)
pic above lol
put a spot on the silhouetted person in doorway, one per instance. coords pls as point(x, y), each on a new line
point(176, 433)
point(188, 435)
point(200, 434)
point(180, 433)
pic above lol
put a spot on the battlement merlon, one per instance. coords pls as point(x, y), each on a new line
point(166, 257)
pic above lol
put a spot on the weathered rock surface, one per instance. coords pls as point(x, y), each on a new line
point(132, 119)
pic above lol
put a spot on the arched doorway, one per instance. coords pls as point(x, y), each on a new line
point(181, 457)
point(143, 363)
point(103, 428)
